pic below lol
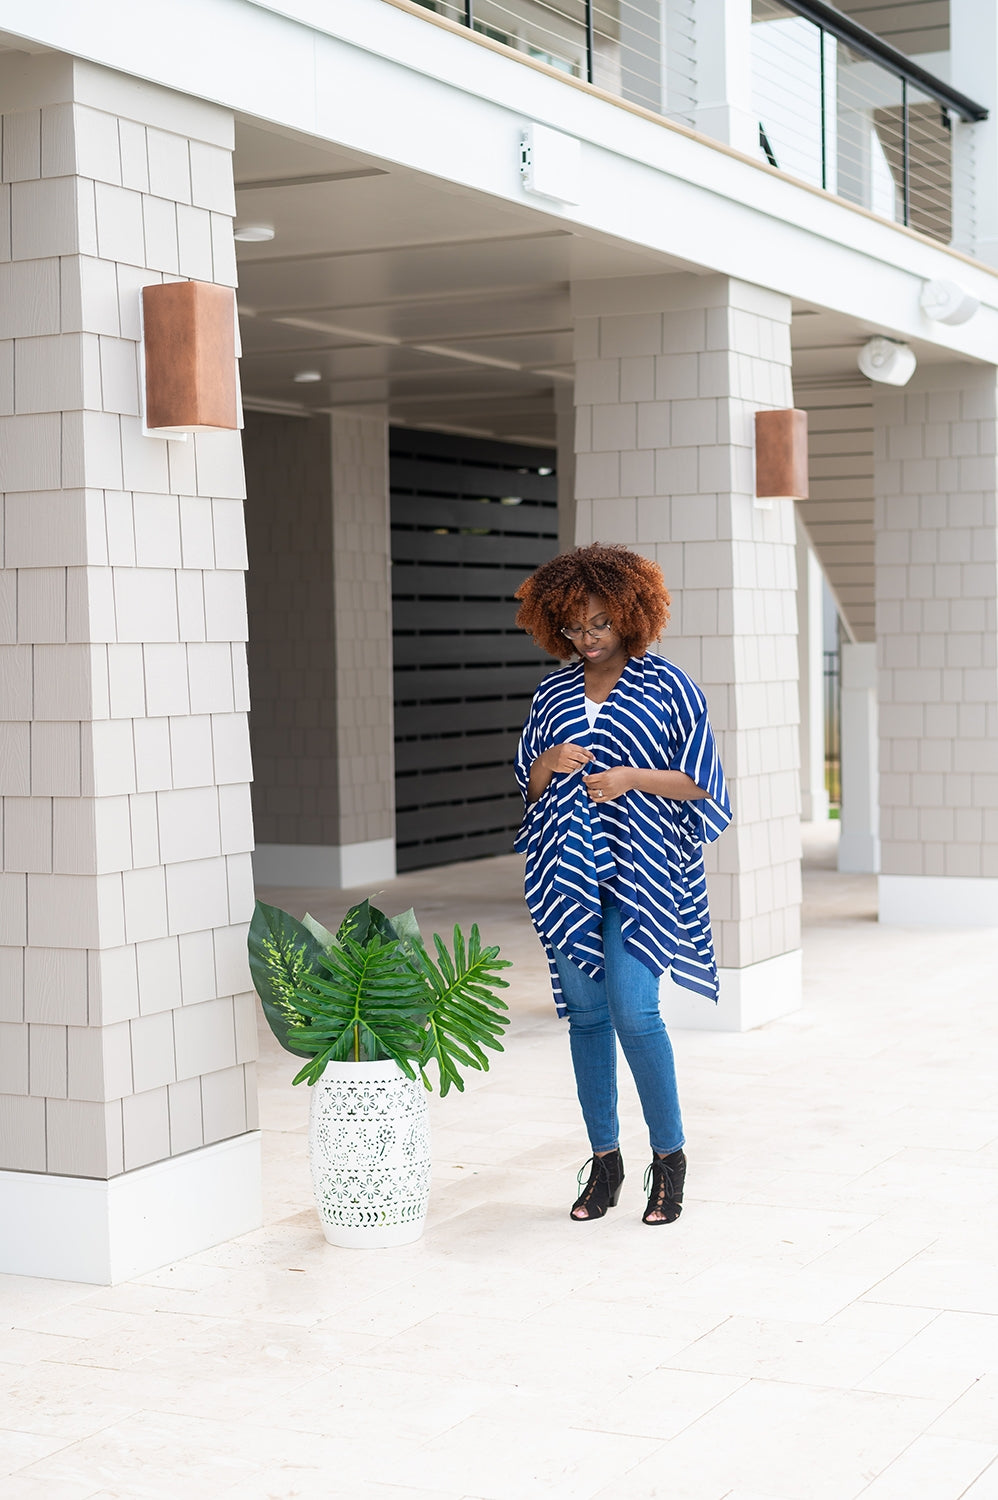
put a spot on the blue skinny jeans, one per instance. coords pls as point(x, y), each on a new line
point(623, 1004)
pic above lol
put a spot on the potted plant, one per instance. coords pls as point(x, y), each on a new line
point(370, 1010)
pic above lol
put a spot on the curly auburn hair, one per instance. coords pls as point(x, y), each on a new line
point(631, 587)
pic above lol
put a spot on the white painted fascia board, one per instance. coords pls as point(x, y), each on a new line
point(416, 43)
point(370, 88)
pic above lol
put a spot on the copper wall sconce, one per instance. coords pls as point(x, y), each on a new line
point(189, 348)
point(781, 455)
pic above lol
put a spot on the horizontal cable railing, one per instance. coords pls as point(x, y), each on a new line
point(837, 106)
point(840, 108)
point(642, 50)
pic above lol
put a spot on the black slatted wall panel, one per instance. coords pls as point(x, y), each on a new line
point(470, 520)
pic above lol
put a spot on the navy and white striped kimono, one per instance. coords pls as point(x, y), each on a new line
point(646, 850)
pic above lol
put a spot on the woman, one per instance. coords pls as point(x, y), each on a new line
point(623, 786)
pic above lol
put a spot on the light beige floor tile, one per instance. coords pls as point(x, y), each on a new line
point(755, 1289)
point(484, 1457)
point(826, 1354)
point(807, 1251)
point(143, 1456)
point(933, 1468)
point(944, 1360)
point(985, 1488)
point(18, 1449)
point(63, 1401)
point(974, 1415)
point(513, 1352)
point(659, 1405)
point(930, 1281)
point(21, 1487)
point(23, 1298)
point(353, 1402)
point(787, 1440)
point(25, 1346)
point(875, 1251)
point(630, 1310)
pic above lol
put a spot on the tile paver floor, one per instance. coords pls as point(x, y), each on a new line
point(822, 1323)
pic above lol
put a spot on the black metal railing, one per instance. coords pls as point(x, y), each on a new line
point(844, 110)
point(837, 106)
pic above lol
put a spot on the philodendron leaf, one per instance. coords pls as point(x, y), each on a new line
point(283, 953)
point(322, 935)
point(465, 1016)
point(406, 928)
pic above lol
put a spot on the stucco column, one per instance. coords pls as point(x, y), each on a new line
point(811, 667)
point(321, 649)
point(859, 836)
point(936, 476)
point(669, 373)
point(127, 1091)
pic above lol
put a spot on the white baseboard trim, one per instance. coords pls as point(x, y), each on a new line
point(859, 853)
point(937, 901)
point(749, 997)
point(88, 1229)
point(334, 866)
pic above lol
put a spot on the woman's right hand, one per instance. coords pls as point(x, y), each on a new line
point(557, 760)
point(561, 760)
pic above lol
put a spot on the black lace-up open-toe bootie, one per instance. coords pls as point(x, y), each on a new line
point(664, 1181)
point(603, 1188)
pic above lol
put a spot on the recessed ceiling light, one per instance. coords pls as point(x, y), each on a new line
point(307, 377)
point(254, 234)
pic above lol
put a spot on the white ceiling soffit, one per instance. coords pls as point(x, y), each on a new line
point(449, 307)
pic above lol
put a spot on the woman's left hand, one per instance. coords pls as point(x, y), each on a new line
point(607, 786)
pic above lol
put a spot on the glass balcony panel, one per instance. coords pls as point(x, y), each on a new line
point(788, 59)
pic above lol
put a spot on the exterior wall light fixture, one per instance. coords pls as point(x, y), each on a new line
point(254, 234)
point(188, 347)
point(307, 377)
point(946, 302)
point(780, 456)
point(887, 361)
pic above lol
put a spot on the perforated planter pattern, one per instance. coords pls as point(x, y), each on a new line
point(369, 1148)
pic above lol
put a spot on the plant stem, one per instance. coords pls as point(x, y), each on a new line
point(356, 1044)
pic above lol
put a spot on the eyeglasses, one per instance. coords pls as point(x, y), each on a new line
point(579, 632)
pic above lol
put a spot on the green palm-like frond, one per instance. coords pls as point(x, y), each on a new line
point(464, 1016)
point(367, 1003)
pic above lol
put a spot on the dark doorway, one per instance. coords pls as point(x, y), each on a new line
point(470, 519)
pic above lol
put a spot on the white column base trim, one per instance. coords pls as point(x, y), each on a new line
point(859, 853)
point(86, 1229)
point(334, 866)
point(749, 997)
point(938, 901)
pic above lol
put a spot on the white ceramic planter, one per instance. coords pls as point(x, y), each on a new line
point(369, 1148)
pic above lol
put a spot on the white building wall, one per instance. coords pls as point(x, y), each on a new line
point(669, 374)
point(937, 638)
point(321, 652)
point(129, 1031)
point(811, 667)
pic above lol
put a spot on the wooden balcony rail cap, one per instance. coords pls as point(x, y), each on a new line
point(190, 357)
point(781, 455)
